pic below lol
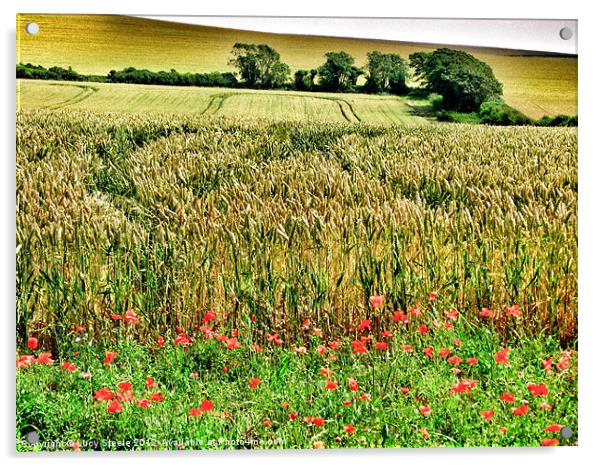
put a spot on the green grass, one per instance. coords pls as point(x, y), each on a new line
point(95, 44)
point(60, 405)
point(277, 105)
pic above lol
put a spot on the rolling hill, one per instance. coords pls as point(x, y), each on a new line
point(94, 44)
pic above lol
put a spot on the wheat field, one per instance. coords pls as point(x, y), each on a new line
point(177, 215)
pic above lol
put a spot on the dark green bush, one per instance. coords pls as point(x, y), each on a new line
point(497, 112)
point(559, 120)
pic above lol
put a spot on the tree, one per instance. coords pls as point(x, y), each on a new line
point(387, 72)
point(338, 73)
point(462, 80)
point(304, 79)
point(259, 65)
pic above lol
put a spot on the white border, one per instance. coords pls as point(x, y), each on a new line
point(590, 195)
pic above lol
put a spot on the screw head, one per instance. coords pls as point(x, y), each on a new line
point(32, 437)
point(566, 432)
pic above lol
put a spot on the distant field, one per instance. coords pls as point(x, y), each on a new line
point(134, 98)
point(536, 85)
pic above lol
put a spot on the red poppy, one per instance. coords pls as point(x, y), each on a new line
point(429, 351)
point(326, 372)
point(194, 412)
point(386, 334)
point(335, 344)
point(68, 366)
point(206, 405)
point(455, 360)
point(537, 389)
point(317, 421)
point(444, 352)
point(487, 414)
point(209, 316)
point(448, 325)
point(407, 348)
point(365, 324)
point(332, 385)
point(501, 357)
point(353, 385)
point(377, 301)
point(125, 386)
point(553, 428)
point(464, 386)
point(514, 311)
point(544, 405)
point(503, 430)
point(424, 432)
point(130, 317)
point(452, 315)
point(472, 361)
point(232, 343)
point(432, 295)
point(109, 357)
point(358, 347)
point(381, 345)
point(349, 429)
point(549, 442)
point(254, 382)
point(423, 329)
point(25, 361)
point(125, 397)
point(256, 347)
point(104, 394)
point(364, 397)
point(80, 329)
point(292, 416)
point(150, 383)
point(507, 398)
point(321, 349)
point(274, 337)
point(156, 397)
point(32, 343)
point(521, 410)
point(425, 410)
point(44, 358)
point(486, 313)
point(319, 445)
point(458, 343)
point(546, 364)
point(347, 403)
point(399, 316)
point(115, 317)
point(144, 403)
point(182, 339)
point(114, 407)
point(160, 342)
point(563, 363)
point(404, 390)
point(267, 422)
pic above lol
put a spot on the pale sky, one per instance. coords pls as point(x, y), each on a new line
point(525, 34)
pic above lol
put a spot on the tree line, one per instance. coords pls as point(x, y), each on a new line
point(461, 82)
point(259, 66)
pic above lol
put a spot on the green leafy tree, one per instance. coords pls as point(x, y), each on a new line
point(338, 73)
point(387, 72)
point(462, 80)
point(259, 65)
point(304, 79)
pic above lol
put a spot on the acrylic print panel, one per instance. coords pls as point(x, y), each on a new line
point(238, 238)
